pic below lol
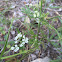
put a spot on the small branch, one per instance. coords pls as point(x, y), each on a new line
point(54, 40)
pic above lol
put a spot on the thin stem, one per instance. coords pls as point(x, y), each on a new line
point(6, 40)
point(41, 7)
point(38, 30)
point(54, 17)
point(39, 20)
point(18, 53)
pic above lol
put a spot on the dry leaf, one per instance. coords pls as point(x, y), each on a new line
point(27, 20)
point(24, 2)
point(1, 9)
point(27, 23)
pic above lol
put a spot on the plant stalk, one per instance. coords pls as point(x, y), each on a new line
point(39, 20)
point(6, 40)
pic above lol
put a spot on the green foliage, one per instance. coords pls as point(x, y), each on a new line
point(34, 41)
point(57, 60)
point(27, 11)
point(2, 30)
point(52, 1)
point(8, 46)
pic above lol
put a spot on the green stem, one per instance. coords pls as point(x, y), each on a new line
point(41, 7)
point(6, 40)
point(54, 17)
point(39, 20)
point(38, 30)
point(18, 53)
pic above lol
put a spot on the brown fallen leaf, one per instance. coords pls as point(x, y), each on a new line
point(24, 2)
point(1, 9)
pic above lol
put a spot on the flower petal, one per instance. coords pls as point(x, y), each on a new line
point(12, 48)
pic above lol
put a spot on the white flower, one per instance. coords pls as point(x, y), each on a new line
point(16, 46)
point(19, 35)
point(12, 48)
point(16, 38)
point(26, 40)
point(34, 15)
point(21, 45)
point(24, 36)
point(16, 41)
point(23, 39)
point(16, 49)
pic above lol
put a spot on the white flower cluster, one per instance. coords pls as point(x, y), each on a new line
point(15, 49)
point(25, 40)
point(36, 14)
point(18, 36)
point(21, 42)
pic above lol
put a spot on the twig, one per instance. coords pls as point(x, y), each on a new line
point(54, 40)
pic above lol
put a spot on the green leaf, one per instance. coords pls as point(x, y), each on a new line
point(3, 32)
point(1, 28)
point(5, 37)
point(8, 46)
